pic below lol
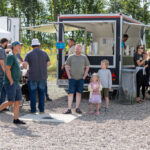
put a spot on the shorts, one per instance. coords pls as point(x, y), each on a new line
point(75, 86)
point(13, 92)
point(105, 92)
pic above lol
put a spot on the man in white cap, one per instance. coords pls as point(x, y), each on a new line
point(38, 62)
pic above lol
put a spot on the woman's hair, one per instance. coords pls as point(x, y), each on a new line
point(105, 61)
point(94, 75)
point(138, 47)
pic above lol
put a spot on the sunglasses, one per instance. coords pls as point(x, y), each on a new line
point(141, 48)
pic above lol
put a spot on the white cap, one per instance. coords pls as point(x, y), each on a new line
point(35, 42)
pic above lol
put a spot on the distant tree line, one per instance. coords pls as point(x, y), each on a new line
point(36, 12)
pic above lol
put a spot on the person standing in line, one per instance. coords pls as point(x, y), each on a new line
point(3, 46)
point(106, 81)
point(77, 67)
point(11, 82)
point(38, 61)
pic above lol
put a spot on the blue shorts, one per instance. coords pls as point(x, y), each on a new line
point(13, 92)
point(75, 86)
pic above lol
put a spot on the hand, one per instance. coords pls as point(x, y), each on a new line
point(146, 66)
point(11, 82)
point(109, 89)
point(84, 77)
point(69, 77)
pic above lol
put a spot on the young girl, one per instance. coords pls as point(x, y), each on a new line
point(95, 97)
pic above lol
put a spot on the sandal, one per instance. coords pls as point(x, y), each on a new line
point(138, 100)
point(97, 113)
point(91, 112)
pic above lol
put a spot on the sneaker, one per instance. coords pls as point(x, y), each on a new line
point(68, 111)
point(17, 121)
point(106, 110)
point(49, 99)
point(78, 111)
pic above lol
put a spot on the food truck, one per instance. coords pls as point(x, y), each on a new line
point(106, 31)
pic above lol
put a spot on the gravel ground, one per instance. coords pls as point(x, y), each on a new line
point(124, 127)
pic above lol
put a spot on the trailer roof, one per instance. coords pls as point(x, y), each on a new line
point(73, 16)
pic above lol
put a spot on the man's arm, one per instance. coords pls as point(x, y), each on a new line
point(86, 72)
point(8, 73)
point(2, 64)
point(48, 63)
point(67, 71)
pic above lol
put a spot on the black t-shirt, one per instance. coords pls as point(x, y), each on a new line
point(137, 57)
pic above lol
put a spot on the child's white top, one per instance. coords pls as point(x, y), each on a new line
point(105, 78)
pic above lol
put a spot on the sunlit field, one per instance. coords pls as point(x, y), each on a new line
point(52, 53)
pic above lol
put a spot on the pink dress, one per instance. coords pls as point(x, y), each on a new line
point(96, 97)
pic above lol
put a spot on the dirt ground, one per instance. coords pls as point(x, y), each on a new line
point(124, 127)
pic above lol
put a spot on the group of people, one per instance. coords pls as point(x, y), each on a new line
point(99, 87)
point(10, 73)
point(142, 64)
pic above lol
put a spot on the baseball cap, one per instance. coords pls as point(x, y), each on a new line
point(35, 42)
point(15, 43)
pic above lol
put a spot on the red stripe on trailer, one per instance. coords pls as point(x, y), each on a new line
point(131, 20)
point(79, 17)
point(72, 17)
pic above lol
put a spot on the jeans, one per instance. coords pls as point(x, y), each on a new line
point(2, 91)
point(35, 86)
point(46, 92)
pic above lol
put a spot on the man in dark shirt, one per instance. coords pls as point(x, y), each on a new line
point(38, 62)
point(3, 46)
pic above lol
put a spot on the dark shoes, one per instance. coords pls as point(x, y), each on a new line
point(68, 111)
point(49, 99)
point(78, 111)
point(17, 121)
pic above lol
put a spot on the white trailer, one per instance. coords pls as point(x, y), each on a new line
point(11, 25)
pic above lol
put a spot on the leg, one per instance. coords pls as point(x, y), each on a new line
point(41, 92)
point(106, 102)
point(70, 99)
point(16, 109)
point(79, 90)
point(143, 91)
point(32, 94)
point(71, 90)
point(3, 96)
point(97, 107)
point(6, 104)
point(78, 99)
point(92, 107)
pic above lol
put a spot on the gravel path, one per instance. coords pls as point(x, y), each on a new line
point(125, 127)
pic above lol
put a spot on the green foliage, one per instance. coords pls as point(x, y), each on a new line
point(36, 12)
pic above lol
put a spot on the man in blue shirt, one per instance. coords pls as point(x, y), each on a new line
point(38, 61)
point(124, 39)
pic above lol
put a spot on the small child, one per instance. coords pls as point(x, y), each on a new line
point(106, 81)
point(95, 97)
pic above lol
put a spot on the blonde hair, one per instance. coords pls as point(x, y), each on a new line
point(93, 75)
point(105, 61)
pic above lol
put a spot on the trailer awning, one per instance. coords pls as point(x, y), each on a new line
point(50, 28)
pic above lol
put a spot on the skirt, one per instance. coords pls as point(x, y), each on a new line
point(96, 98)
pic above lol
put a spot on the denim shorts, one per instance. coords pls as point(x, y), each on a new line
point(75, 86)
point(13, 92)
